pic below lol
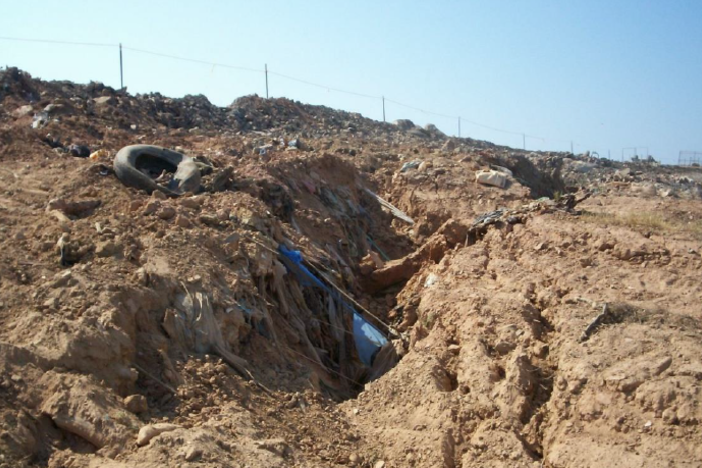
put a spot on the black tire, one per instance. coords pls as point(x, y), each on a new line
point(131, 160)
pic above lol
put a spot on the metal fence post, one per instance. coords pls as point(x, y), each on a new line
point(121, 70)
point(266, 70)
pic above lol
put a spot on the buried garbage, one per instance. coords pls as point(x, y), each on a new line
point(150, 168)
point(368, 339)
point(250, 321)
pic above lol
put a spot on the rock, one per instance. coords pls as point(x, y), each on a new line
point(354, 459)
point(151, 208)
point(433, 130)
point(367, 265)
point(541, 350)
point(449, 146)
point(662, 365)
point(296, 143)
point(55, 109)
point(104, 100)
point(64, 279)
point(22, 111)
point(134, 205)
point(136, 404)
point(158, 195)
point(193, 453)
point(425, 166)
point(167, 212)
point(404, 124)
point(622, 174)
point(194, 279)
point(624, 254)
point(142, 276)
point(150, 431)
point(276, 446)
point(106, 249)
point(504, 347)
point(183, 222)
point(604, 245)
point(209, 220)
point(77, 209)
point(379, 464)
point(189, 202)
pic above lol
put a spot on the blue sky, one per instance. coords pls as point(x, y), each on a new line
point(603, 74)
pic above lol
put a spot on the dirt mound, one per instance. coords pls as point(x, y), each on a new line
point(234, 325)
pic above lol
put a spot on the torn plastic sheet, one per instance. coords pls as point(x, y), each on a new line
point(367, 337)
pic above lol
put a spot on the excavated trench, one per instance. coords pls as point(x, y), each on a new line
point(298, 308)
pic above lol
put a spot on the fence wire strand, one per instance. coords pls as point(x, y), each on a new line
point(292, 78)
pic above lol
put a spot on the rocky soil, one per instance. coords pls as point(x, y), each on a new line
point(550, 320)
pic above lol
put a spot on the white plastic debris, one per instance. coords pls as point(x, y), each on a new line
point(494, 178)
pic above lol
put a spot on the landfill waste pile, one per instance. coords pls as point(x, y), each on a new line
point(274, 284)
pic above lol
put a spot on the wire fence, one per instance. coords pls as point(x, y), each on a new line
point(381, 100)
point(690, 158)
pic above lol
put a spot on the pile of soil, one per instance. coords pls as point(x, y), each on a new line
point(138, 330)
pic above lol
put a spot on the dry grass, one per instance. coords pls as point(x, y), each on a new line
point(636, 221)
point(646, 222)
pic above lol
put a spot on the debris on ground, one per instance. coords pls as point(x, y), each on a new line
point(290, 296)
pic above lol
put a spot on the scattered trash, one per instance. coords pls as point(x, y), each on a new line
point(595, 323)
point(263, 150)
point(410, 165)
point(62, 245)
point(140, 165)
point(100, 154)
point(488, 218)
point(396, 212)
point(192, 322)
point(40, 120)
point(502, 169)
point(494, 178)
point(377, 247)
point(431, 280)
point(367, 337)
point(79, 151)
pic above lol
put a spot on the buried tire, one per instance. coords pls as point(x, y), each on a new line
point(135, 165)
